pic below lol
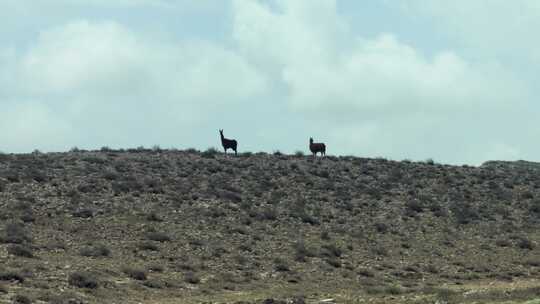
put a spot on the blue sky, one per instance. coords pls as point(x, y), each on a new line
point(454, 81)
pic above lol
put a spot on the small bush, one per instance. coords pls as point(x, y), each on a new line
point(229, 196)
point(534, 262)
point(380, 250)
point(95, 251)
point(325, 235)
point(36, 175)
point(20, 299)
point(154, 284)
point(413, 206)
point(135, 273)
point(63, 298)
point(209, 153)
point(83, 213)
point(11, 276)
point(331, 250)
point(277, 153)
point(82, 280)
point(268, 213)
point(534, 207)
point(191, 278)
point(464, 213)
point(299, 153)
point(394, 290)
point(432, 269)
point(503, 243)
point(156, 268)
point(28, 217)
point(154, 217)
point(301, 252)
point(15, 233)
point(333, 261)
point(12, 176)
point(525, 243)
point(281, 265)
point(20, 251)
point(158, 236)
point(111, 175)
point(381, 227)
point(148, 246)
point(366, 273)
point(527, 195)
point(445, 294)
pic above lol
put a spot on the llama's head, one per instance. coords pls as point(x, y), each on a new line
point(221, 131)
point(311, 140)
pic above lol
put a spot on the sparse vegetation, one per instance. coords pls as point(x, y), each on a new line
point(96, 227)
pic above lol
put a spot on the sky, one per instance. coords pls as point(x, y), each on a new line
point(453, 81)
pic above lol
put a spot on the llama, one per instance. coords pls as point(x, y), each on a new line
point(228, 143)
point(316, 147)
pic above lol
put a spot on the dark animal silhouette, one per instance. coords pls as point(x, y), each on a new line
point(228, 143)
point(316, 147)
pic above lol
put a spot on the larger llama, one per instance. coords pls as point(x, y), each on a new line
point(316, 147)
point(228, 143)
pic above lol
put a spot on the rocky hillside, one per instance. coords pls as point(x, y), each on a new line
point(155, 226)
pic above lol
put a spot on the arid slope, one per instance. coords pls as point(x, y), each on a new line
point(155, 226)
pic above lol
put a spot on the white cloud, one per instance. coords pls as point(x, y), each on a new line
point(30, 125)
point(386, 94)
point(485, 27)
point(365, 74)
point(84, 56)
point(106, 76)
point(102, 3)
